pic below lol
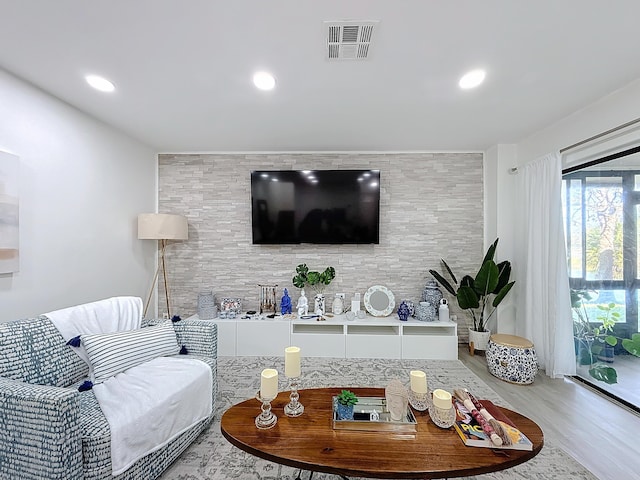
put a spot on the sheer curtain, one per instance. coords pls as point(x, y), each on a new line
point(544, 316)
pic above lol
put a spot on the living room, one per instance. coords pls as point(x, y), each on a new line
point(84, 179)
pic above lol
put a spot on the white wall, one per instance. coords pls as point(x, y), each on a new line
point(82, 185)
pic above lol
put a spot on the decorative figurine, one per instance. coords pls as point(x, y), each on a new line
point(303, 304)
point(285, 303)
point(397, 397)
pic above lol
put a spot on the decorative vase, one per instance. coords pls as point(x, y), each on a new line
point(345, 412)
point(432, 294)
point(411, 307)
point(206, 305)
point(422, 311)
point(403, 311)
point(318, 304)
point(480, 340)
point(338, 305)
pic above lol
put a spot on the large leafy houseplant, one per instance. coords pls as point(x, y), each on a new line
point(317, 281)
point(480, 295)
point(594, 337)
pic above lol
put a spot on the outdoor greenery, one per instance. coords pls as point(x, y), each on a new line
point(480, 295)
point(593, 337)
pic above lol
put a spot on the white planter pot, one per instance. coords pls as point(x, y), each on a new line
point(480, 340)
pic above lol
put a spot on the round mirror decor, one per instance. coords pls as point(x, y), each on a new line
point(379, 301)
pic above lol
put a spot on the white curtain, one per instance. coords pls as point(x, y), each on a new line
point(544, 316)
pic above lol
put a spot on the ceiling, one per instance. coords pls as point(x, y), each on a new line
point(183, 69)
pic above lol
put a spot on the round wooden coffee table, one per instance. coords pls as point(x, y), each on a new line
point(309, 442)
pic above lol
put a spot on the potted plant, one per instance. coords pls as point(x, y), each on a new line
point(480, 295)
point(595, 340)
point(317, 281)
point(346, 400)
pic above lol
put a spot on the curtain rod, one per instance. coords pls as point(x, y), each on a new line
point(599, 135)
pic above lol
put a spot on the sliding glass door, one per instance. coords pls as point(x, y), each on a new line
point(601, 206)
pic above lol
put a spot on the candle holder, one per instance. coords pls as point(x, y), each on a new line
point(442, 417)
point(294, 408)
point(267, 418)
point(419, 401)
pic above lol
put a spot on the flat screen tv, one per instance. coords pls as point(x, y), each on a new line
point(315, 206)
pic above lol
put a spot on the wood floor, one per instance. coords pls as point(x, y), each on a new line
point(601, 435)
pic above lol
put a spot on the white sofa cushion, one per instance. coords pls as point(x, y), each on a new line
point(113, 353)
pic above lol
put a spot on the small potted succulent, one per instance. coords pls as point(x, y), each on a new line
point(346, 400)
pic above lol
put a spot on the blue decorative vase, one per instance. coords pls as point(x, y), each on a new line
point(345, 412)
point(411, 307)
point(403, 311)
point(433, 295)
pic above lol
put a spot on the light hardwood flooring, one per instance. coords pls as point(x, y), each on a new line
point(601, 435)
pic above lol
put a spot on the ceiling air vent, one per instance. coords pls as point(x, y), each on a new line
point(349, 40)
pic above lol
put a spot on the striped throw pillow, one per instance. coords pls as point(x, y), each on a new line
point(113, 353)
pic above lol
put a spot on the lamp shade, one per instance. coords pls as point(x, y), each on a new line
point(162, 226)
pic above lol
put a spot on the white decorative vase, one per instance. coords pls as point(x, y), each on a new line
point(480, 340)
point(318, 304)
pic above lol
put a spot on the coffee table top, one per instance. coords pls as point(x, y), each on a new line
point(309, 442)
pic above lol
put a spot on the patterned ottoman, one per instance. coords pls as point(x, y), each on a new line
point(512, 359)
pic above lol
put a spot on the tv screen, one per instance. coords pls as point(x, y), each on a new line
point(315, 206)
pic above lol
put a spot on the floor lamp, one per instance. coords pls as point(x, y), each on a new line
point(163, 227)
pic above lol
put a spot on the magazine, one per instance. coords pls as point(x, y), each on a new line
point(472, 434)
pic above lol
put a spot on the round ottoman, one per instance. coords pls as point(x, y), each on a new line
point(512, 359)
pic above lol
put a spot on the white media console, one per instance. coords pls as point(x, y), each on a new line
point(370, 337)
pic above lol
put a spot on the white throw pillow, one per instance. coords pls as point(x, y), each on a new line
point(113, 353)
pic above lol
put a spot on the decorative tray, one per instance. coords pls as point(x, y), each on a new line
point(371, 414)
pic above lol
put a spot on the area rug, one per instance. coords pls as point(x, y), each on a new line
point(212, 457)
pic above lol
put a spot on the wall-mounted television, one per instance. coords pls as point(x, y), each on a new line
point(315, 206)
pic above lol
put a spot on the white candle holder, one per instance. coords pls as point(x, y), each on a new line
point(267, 418)
point(442, 417)
point(294, 408)
point(419, 401)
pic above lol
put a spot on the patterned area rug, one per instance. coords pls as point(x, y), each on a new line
point(212, 457)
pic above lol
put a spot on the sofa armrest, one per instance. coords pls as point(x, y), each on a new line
point(41, 433)
point(200, 337)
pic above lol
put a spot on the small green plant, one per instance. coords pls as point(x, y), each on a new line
point(316, 280)
point(347, 398)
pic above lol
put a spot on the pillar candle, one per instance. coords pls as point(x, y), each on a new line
point(269, 384)
point(418, 381)
point(292, 362)
point(442, 399)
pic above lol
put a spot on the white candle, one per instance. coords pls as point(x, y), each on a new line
point(418, 381)
point(442, 399)
point(292, 362)
point(269, 384)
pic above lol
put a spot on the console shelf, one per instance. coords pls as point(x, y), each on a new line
point(369, 337)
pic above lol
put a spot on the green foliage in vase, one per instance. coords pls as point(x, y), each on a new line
point(317, 281)
point(479, 295)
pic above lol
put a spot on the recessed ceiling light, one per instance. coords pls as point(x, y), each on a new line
point(472, 79)
point(100, 83)
point(264, 81)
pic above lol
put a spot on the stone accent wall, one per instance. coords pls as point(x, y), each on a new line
point(431, 207)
